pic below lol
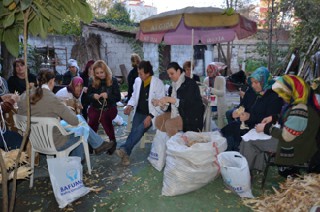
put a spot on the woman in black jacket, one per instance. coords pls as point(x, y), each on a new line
point(265, 103)
point(186, 104)
point(104, 93)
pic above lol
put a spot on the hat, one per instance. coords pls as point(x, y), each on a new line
point(73, 62)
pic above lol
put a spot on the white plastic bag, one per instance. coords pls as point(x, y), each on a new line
point(235, 173)
point(189, 168)
point(157, 156)
point(66, 179)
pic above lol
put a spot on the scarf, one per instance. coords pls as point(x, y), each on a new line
point(74, 82)
point(45, 86)
point(292, 89)
point(147, 82)
point(175, 87)
point(262, 75)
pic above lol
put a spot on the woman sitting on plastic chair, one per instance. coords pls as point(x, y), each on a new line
point(295, 141)
point(45, 104)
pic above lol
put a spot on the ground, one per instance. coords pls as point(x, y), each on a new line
point(133, 188)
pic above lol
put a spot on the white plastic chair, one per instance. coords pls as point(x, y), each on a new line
point(41, 138)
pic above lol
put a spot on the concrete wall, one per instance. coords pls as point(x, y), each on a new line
point(115, 49)
point(62, 45)
point(241, 50)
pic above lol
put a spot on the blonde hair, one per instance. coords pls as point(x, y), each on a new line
point(97, 81)
point(135, 60)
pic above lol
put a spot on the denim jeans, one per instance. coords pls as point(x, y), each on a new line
point(136, 133)
point(94, 140)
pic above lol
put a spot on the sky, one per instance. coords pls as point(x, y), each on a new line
point(166, 5)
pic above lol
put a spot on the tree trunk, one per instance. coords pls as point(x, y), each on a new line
point(7, 62)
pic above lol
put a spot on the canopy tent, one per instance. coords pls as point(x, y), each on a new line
point(210, 25)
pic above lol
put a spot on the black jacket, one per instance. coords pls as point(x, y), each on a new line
point(113, 92)
point(133, 74)
point(191, 108)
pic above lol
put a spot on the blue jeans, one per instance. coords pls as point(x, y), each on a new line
point(94, 140)
point(136, 133)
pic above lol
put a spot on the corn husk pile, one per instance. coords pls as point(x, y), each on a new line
point(191, 138)
point(24, 170)
point(298, 194)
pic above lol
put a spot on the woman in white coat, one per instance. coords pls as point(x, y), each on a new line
point(217, 86)
point(146, 87)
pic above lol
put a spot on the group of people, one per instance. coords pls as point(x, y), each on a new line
point(288, 100)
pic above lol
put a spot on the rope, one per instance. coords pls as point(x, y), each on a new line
point(103, 104)
point(3, 129)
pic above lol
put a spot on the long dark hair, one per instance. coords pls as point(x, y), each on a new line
point(175, 66)
point(18, 60)
point(86, 69)
point(44, 76)
point(146, 66)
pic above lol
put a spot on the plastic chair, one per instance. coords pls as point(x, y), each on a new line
point(41, 138)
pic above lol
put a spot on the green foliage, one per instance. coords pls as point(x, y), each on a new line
point(253, 64)
point(42, 16)
point(136, 46)
point(71, 26)
point(118, 15)
point(308, 24)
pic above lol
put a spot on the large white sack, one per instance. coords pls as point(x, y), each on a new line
point(189, 168)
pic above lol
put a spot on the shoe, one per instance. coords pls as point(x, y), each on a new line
point(113, 148)
point(104, 147)
point(124, 157)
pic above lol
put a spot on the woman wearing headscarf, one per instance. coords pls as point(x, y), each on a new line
point(186, 104)
point(266, 103)
point(295, 140)
point(72, 93)
point(217, 85)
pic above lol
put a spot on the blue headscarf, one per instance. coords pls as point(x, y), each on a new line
point(263, 76)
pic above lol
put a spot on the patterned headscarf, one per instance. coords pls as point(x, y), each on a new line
point(74, 82)
point(214, 69)
point(263, 76)
point(292, 89)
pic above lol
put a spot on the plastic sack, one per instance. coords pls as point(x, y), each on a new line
point(190, 168)
point(157, 156)
point(235, 173)
point(66, 179)
point(118, 120)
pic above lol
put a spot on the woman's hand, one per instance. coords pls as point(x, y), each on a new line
point(85, 89)
point(156, 102)
point(96, 96)
point(244, 116)
point(147, 122)
point(104, 95)
point(260, 127)
point(127, 110)
point(167, 99)
point(267, 120)
point(235, 114)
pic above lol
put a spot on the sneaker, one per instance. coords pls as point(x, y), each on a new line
point(124, 157)
point(104, 147)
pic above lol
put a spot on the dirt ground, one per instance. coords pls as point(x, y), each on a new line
point(133, 188)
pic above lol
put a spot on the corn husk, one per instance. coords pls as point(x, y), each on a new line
point(298, 194)
point(23, 173)
point(11, 156)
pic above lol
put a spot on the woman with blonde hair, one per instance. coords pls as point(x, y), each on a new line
point(103, 94)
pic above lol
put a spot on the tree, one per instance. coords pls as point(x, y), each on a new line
point(100, 7)
point(305, 15)
point(36, 17)
point(118, 15)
